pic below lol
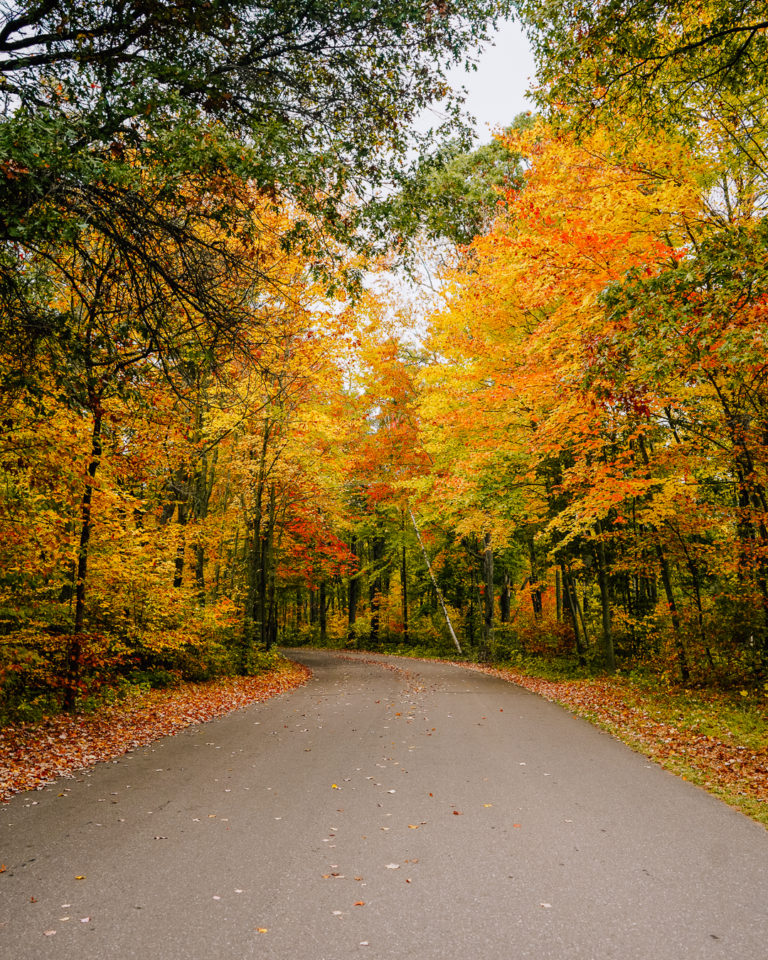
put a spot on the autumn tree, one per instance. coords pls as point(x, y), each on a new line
point(311, 102)
point(514, 344)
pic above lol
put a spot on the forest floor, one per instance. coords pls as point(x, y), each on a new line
point(33, 754)
point(716, 740)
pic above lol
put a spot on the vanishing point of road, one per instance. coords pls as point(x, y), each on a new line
point(388, 809)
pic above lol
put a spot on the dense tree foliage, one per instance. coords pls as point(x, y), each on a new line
point(209, 446)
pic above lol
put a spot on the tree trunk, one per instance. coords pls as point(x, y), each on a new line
point(404, 583)
point(354, 594)
point(485, 650)
point(377, 555)
point(666, 581)
point(86, 526)
point(536, 602)
point(609, 654)
point(181, 546)
point(505, 600)
point(257, 581)
point(438, 594)
point(270, 631)
point(323, 613)
point(572, 601)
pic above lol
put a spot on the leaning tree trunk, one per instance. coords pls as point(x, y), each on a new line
point(438, 593)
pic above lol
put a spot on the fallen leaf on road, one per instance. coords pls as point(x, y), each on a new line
point(359, 903)
point(49, 933)
point(457, 813)
point(80, 878)
point(262, 930)
point(393, 866)
point(547, 906)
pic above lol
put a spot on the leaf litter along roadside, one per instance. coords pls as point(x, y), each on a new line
point(34, 754)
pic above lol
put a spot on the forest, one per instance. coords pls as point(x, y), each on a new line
point(276, 369)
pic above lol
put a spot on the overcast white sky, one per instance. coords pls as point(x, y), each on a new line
point(496, 91)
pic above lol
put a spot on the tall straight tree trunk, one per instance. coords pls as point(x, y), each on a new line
point(270, 619)
point(572, 601)
point(581, 609)
point(323, 603)
point(86, 527)
point(609, 654)
point(536, 602)
point(233, 560)
point(666, 580)
point(377, 551)
point(266, 595)
point(257, 584)
point(354, 593)
point(299, 609)
point(474, 592)
point(485, 650)
point(181, 546)
point(404, 583)
point(505, 600)
point(558, 596)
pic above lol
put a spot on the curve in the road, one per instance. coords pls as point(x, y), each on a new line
point(387, 809)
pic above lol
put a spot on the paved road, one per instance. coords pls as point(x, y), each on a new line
point(385, 810)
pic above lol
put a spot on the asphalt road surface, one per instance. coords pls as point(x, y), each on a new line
point(387, 809)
